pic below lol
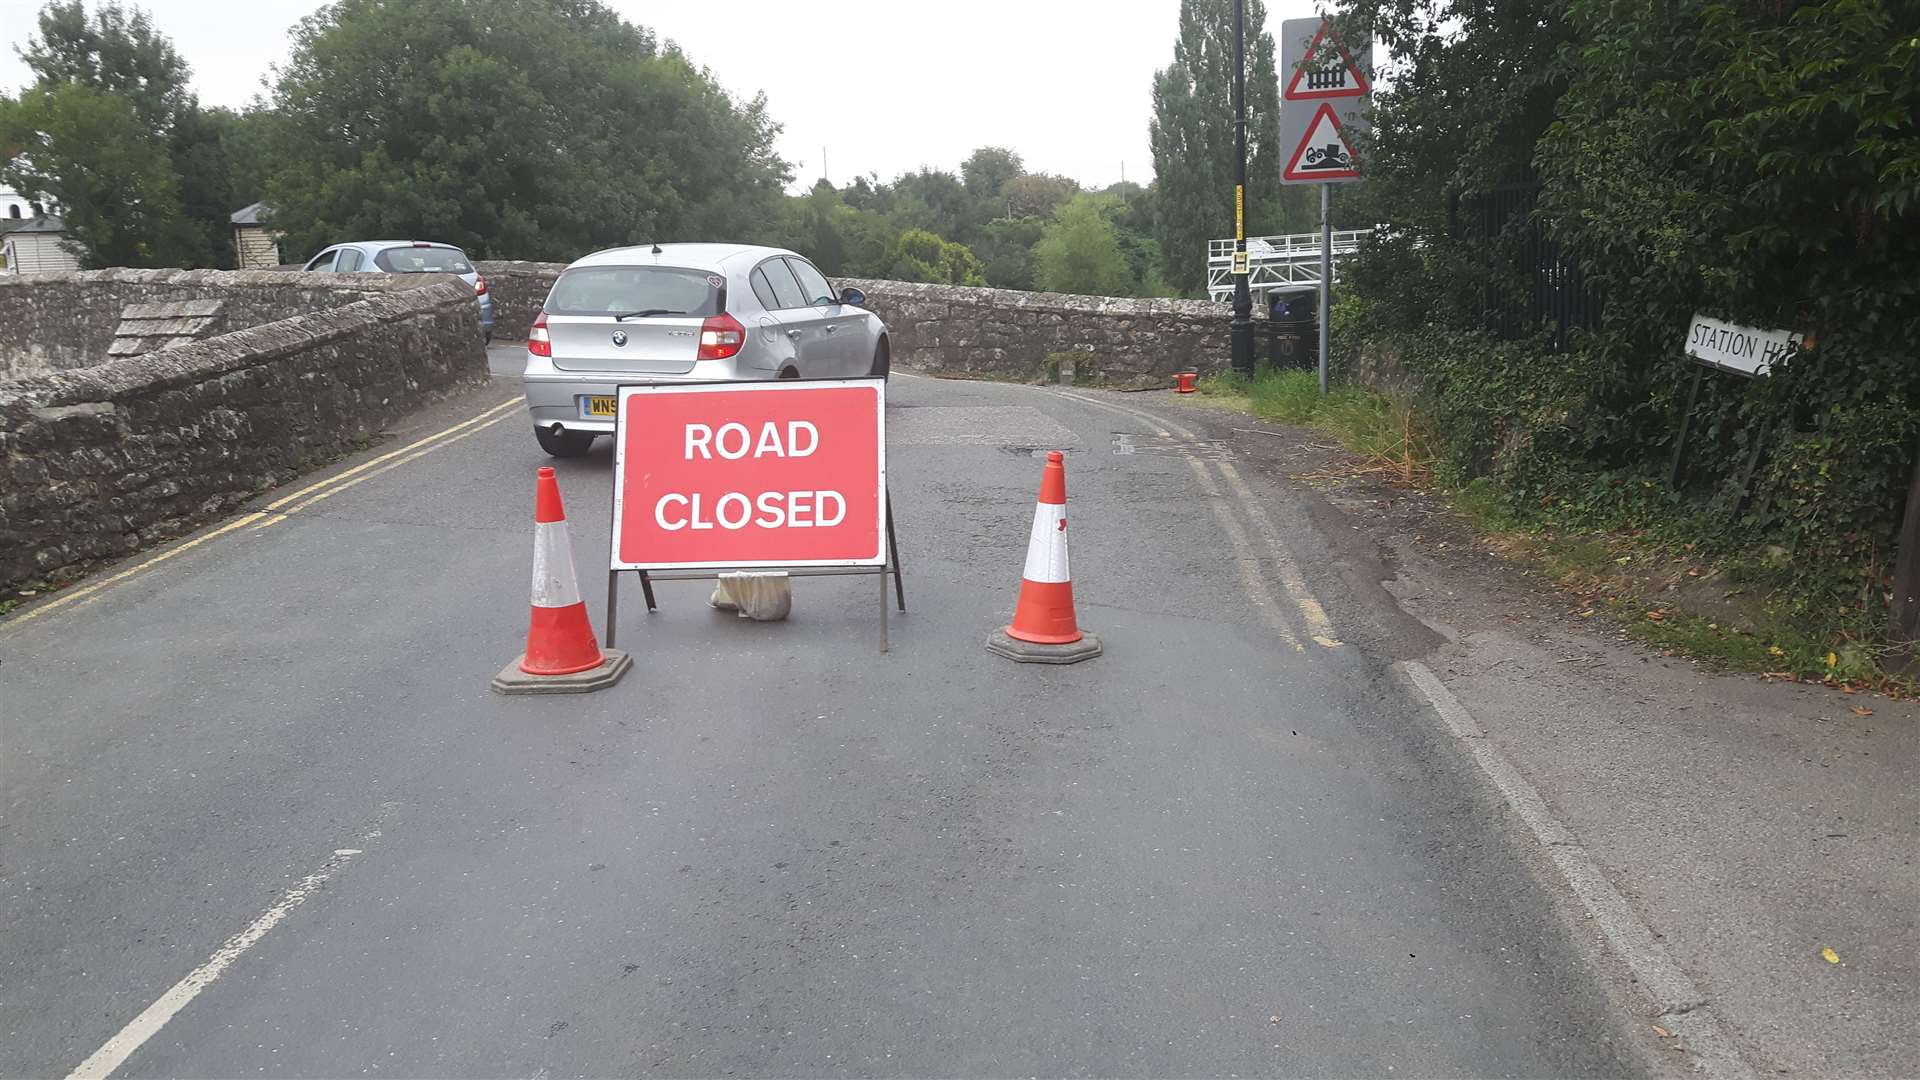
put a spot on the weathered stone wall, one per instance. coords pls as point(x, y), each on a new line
point(57, 321)
point(955, 330)
point(518, 289)
point(97, 461)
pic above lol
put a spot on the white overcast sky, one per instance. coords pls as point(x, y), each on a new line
point(884, 86)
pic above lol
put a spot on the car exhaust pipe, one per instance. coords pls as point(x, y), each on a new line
point(558, 430)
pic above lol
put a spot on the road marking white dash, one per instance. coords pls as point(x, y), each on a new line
point(143, 1027)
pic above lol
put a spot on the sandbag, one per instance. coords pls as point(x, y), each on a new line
point(764, 596)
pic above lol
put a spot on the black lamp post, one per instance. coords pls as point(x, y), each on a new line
point(1242, 334)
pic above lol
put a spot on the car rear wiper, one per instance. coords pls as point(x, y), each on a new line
point(644, 314)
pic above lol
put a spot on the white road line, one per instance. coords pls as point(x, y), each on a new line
point(143, 1027)
point(1681, 1007)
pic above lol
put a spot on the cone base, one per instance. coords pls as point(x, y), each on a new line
point(1000, 643)
point(1018, 634)
point(512, 680)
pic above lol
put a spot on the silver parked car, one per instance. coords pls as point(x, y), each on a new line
point(407, 257)
point(686, 313)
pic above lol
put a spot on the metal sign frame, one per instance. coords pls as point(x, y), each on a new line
point(1301, 40)
point(885, 563)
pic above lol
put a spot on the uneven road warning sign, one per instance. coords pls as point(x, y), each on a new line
point(1323, 152)
point(710, 477)
point(1327, 70)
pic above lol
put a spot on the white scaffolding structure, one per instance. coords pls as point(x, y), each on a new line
point(1276, 262)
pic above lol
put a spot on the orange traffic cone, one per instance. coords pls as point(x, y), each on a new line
point(562, 654)
point(1044, 629)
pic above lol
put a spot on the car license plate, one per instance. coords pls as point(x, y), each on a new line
point(597, 406)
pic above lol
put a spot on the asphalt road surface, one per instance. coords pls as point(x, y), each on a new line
point(1233, 845)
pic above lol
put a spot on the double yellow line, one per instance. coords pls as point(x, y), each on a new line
point(279, 509)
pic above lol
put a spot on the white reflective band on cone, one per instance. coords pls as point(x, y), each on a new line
point(1047, 550)
point(553, 582)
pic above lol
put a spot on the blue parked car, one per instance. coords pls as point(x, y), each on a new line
point(407, 257)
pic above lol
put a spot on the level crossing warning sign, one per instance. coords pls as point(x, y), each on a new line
point(1327, 70)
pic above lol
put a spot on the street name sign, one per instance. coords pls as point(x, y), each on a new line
point(732, 475)
point(1326, 90)
point(1744, 350)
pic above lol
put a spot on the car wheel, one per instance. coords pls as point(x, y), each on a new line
point(882, 360)
point(789, 373)
point(564, 443)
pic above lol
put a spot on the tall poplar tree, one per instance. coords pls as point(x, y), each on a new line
point(1191, 136)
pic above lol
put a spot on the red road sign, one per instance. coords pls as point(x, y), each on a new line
point(1328, 74)
point(750, 475)
point(1324, 153)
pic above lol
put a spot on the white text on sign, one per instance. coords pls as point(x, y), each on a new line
point(704, 440)
point(735, 510)
point(713, 476)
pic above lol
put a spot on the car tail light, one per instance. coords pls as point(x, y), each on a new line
point(538, 341)
point(721, 336)
point(479, 285)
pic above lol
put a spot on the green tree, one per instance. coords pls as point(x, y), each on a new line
point(933, 200)
point(114, 50)
point(118, 52)
point(1005, 250)
point(1756, 162)
point(526, 128)
point(1133, 220)
point(1080, 252)
point(841, 240)
point(985, 174)
point(1192, 138)
point(89, 152)
point(923, 256)
point(1038, 194)
point(987, 170)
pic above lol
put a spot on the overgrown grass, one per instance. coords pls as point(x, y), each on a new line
point(1387, 432)
point(1585, 535)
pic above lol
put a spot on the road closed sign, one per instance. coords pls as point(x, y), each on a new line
point(730, 475)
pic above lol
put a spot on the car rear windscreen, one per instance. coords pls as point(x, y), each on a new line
point(617, 290)
point(423, 260)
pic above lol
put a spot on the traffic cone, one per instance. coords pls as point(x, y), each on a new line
point(563, 656)
point(1044, 629)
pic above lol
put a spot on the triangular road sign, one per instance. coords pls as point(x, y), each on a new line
point(1324, 76)
point(1324, 152)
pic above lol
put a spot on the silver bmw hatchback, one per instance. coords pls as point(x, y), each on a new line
point(686, 313)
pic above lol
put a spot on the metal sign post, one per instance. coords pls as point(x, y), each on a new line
point(1327, 89)
point(1747, 351)
point(1326, 276)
